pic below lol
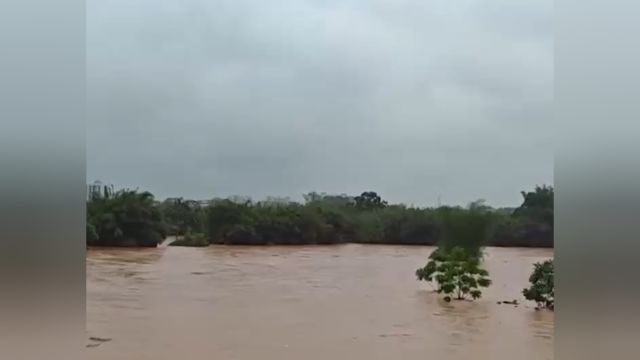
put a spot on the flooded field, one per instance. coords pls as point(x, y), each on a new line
point(309, 302)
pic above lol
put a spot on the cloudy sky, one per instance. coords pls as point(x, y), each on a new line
point(414, 99)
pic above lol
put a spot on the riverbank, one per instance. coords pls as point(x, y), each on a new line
point(179, 243)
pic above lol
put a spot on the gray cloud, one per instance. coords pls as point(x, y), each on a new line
point(410, 98)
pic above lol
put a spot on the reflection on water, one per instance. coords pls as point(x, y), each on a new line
point(324, 302)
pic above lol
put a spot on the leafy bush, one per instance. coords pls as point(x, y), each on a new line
point(456, 271)
point(541, 289)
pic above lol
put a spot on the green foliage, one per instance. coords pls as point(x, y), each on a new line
point(92, 234)
point(529, 225)
point(456, 272)
point(326, 219)
point(127, 218)
point(182, 216)
point(411, 226)
point(469, 229)
point(541, 290)
point(314, 198)
point(369, 200)
point(322, 219)
point(537, 205)
point(226, 217)
point(368, 227)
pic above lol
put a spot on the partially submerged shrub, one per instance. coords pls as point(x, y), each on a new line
point(456, 272)
point(541, 290)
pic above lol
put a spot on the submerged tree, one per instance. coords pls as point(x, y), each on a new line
point(541, 290)
point(430, 270)
point(456, 272)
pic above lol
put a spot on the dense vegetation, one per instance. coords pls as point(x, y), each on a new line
point(126, 218)
point(182, 217)
point(531, 224)
point(541, 289)
point(129, 217)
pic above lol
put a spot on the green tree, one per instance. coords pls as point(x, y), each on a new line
point(427, 273)
point(126, 218)
point(541, 289)
point(530, 224)
point(537, 205)
point(456, 272)
point(369, 200)
point(324, 199)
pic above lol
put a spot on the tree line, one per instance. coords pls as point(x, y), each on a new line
point(134, 218)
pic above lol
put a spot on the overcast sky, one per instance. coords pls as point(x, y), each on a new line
point(414, 99)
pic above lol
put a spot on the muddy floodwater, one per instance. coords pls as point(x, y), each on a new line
point(310, 302)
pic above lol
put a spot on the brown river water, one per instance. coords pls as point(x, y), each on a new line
point(309, 302)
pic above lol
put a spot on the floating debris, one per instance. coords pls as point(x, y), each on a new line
point(93, 338)
point(394, 335)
